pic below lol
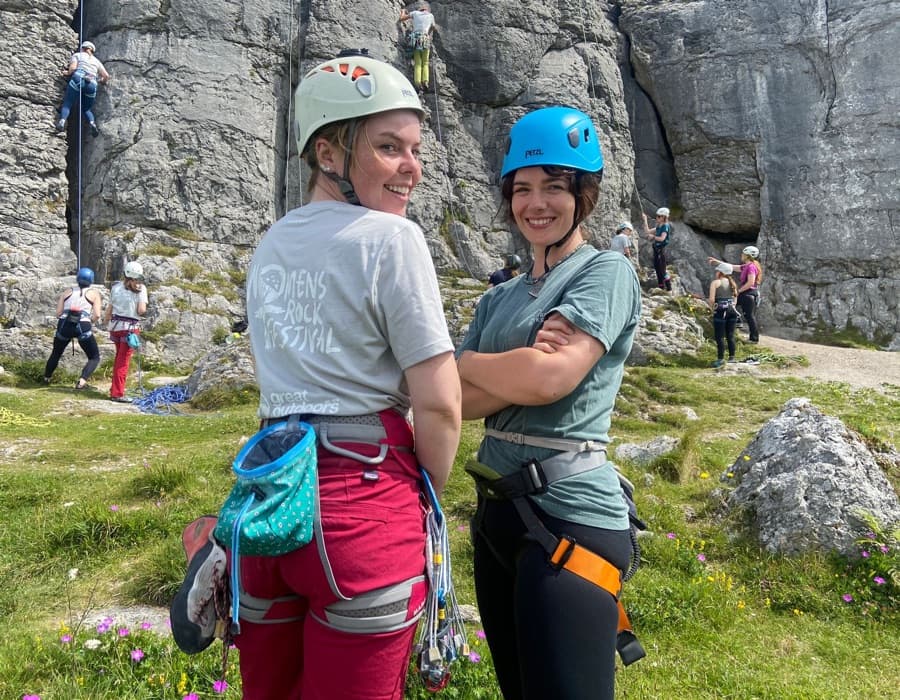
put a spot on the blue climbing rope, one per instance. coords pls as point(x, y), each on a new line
point(162, 399)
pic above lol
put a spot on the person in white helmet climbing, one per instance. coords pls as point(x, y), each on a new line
point(127, 304)
point(420, 40)
point(84, 72)
point(348, 334)
point(660, 235)
point(751, 277)
point(76, 310)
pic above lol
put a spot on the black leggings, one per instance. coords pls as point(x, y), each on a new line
point(724, 321)
point(552, 634)
point(659, 264)
point(747, 301)
point(88, 344)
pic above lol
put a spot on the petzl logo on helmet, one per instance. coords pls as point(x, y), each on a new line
point(533, 152)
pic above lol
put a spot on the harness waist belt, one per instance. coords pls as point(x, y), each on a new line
point(549, 443)
point(366, 428)
point(534, 477)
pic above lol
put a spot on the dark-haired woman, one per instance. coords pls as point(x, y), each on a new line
point(542, 363)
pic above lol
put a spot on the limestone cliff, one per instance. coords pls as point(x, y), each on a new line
point(770, 122)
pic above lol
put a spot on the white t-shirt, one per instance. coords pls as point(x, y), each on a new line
point(340, 301)
point(89, 64)
point(422, 20)
point(620, 243)
point(125, 303)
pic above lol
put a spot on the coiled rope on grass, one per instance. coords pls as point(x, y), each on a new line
point(9, 417)
point(161, 399)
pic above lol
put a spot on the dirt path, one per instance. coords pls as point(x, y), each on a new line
point(872, 369)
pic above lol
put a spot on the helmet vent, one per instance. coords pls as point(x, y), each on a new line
point(573, 138)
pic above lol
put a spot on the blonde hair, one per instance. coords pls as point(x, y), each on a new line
point(731, 282)
point(337, 134)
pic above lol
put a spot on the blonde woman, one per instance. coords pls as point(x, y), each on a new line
point(722, 295)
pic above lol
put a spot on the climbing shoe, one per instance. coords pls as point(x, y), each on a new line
point(718, 363)
point(95, 130)
point(193, 611)
point(119, 399)
point(61, 125)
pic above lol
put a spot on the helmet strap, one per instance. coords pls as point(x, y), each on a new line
point(343, 183)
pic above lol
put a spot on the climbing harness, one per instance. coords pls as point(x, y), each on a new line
point(442, 635)
point(579, 457)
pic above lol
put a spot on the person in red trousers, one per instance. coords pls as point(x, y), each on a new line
point(127, 304)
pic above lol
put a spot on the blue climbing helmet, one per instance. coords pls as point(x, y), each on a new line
point(85, 277)
point(560, 136)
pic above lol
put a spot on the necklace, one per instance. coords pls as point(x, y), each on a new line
point(537, 283)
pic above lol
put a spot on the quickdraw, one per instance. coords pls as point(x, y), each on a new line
point(442, 635)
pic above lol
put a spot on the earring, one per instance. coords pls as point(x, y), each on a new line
point(326, 169)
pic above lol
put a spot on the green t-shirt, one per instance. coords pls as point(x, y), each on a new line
point(599, 293)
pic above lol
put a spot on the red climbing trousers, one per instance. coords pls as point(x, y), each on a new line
point(374, 536)
point(120, 365)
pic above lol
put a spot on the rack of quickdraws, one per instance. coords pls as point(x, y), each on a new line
point(442, 635)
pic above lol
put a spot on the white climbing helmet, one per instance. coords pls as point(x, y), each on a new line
point(88, 45)
point(624, 225)
point(134, 270)
point(725, 268)
point(662, 211)
point(349, 87)
point(751, 251)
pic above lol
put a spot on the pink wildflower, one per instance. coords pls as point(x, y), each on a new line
point(879, 580)
point(220, 686)
point(114, 507)
point(847, 598)
point(474, 657)
point(701, 557)
point(480, 634)
point(137, 655)
point(66, 638)
point(123, 632)
point(670, 535)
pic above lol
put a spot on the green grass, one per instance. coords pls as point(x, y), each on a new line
point(108, 494)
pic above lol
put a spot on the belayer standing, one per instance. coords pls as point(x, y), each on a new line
point(510, 269)
point(420, 39)
point(621, 242)
point(660, 235)
point(127, 304)
point(542, 362)
point(748, 291)
point(348, 333)
point(84, 72)
point(722, 294)
point(76, 310)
